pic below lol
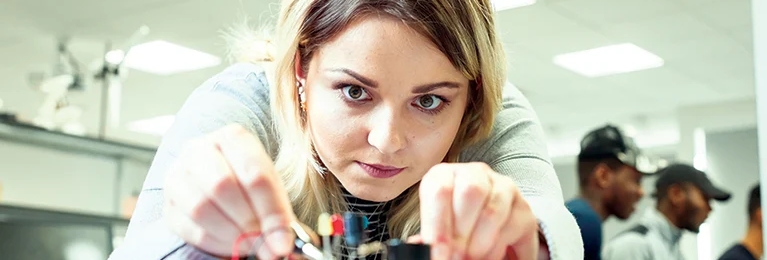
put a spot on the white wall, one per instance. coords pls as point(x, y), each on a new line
point(760, 60)
point(733, 164)
point(710, 117)
point(738, 114)
point(568, 178)
point(40, 177)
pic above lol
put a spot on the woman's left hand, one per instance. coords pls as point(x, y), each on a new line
point(468, 211)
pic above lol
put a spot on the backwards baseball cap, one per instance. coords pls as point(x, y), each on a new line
point(682, 173)
point(610, 142)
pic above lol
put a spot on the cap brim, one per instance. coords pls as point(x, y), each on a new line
point(640, 163)
point(645, 171)
point(717, 193)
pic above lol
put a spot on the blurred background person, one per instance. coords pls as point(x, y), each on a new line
point(751, 246)
point(609, 184)
point(684, 197)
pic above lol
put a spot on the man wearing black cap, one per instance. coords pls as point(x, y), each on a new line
point(683, 196)
point(609, 176)
point(750, 248)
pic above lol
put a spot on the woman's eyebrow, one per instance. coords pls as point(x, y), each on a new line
point(433, 86)
point(365, 80)
point(374, 84)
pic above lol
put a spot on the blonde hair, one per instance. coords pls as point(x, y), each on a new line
point(463, 30)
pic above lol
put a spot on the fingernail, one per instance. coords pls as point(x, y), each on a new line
point(281, 242)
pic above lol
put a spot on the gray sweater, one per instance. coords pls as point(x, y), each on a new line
point(240, 94)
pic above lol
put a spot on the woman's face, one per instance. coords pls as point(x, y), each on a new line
point(383, 105)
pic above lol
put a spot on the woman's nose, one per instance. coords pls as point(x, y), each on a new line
point(387, 132)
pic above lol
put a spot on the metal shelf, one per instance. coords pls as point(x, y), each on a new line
point(29, 134)
point(19, 213)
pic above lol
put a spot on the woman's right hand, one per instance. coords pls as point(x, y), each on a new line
point(223, 185)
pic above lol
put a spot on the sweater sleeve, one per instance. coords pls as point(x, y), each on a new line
point(239, 95)
point(517, 149)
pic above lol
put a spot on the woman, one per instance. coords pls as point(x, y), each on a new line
point(375, 107)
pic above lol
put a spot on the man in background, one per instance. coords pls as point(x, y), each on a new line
point(750, 248)
point(609, 184)
point(683, 196)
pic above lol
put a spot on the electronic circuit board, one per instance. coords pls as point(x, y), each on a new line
point(343, 238)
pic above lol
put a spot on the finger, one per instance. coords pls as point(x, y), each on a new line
point(217, 180)
point(503, 248)
point(469, 199)
point(267, 253)
point(527, 247)
point(436, 195)
point(521, 230)
point(510, 255)
point(262, 250)
point(255, 172)
point(192, 202)
point(499, 252)
point(491, 221)
point(416, 239)
point(186, 229)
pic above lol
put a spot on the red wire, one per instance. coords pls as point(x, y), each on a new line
point(238, 241)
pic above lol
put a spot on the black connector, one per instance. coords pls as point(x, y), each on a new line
point(397, 250)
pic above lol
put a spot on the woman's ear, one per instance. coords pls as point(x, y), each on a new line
point(299, 68)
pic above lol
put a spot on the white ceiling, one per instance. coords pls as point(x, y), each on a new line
point(706, 45)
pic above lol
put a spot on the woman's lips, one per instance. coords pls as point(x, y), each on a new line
point(380, 171)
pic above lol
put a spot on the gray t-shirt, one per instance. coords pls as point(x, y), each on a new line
point(240, 94)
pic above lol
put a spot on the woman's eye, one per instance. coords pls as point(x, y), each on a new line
point(429, 102)
point(354, 92)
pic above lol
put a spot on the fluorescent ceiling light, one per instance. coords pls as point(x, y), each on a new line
point(165, 58)
point(608, 60)
point(501, 5)
point(153, 126)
